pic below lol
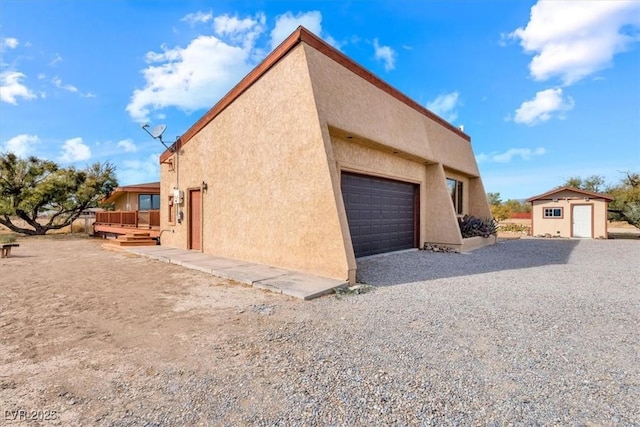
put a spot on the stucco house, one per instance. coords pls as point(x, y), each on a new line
point(311, 161)
point(135, 197)
point(136, 206)
point(570, 212)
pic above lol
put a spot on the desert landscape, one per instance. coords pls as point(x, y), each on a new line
point(526, 331)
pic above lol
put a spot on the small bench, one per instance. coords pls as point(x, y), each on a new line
point(5, 249)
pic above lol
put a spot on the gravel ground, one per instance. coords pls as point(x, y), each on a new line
point(525, 332)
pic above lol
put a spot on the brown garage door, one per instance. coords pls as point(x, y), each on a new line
point(382, 213)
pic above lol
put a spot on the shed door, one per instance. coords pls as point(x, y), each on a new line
point(195, 220)
point(382, 213)
point(581, 218)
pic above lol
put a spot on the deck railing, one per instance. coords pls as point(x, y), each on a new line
point(129, 218)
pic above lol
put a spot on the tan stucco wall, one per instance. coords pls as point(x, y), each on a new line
point(128, 201)
point(272, 162)
point(270, 197)
point(563, 226)
point(346, 101)
point(353, 107)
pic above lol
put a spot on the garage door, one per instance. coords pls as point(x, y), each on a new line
point(381, 213)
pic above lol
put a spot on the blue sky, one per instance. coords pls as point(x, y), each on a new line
point(546, 90)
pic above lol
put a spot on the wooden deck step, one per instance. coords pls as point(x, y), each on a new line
point(128, 238)
point(134, 239)
point(133, 243)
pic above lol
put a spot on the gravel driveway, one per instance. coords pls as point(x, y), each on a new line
point(525, 332)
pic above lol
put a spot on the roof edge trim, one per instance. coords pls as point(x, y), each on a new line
point(591, 194)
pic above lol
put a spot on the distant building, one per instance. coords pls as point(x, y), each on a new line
point(570, 212)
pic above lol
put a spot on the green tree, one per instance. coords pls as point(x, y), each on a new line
point(593, 183)
point(518, 206)
point(494, 199)
point(500, 212)
point(626, 203)
point(31, 187)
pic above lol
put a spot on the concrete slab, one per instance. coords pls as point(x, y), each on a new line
point(260, 276)
point(213, 264)
point(148, 249)
point(188, 257)
point(249, 273)
point(301, 285)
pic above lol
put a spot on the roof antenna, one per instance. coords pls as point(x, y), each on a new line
point(156, 133)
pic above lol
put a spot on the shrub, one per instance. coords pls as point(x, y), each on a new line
point(7, 238)
point(470, 226)
point(516, 228)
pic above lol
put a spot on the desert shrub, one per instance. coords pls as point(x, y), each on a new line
point(471, 226)
point(7, 238)
point(516, 228)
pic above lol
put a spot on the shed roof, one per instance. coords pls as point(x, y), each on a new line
point(300, 35)
point(549, 194)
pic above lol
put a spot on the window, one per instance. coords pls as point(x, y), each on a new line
point(552, 213)
point(147, 202)
point(172, 211)
point(456, 192)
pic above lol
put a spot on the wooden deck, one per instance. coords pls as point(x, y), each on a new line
point(115, 223)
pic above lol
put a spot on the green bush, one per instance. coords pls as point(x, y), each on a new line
point(470, 226)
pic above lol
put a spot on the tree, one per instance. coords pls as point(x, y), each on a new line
point(626, 203)
point(31, 187)
point(517, 206)
point(500, 212)
point(593, 183)
point(494, 199)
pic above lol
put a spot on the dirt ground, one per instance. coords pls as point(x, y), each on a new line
point(78, 323)
point(93, 337)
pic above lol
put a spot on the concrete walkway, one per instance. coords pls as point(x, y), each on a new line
point(295, 284)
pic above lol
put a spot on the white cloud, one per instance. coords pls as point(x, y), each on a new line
point(127, 145)
point(239, 30)
point(445, 106)
point(56, 59)
point(21, 145)
point(58, 82)
point(385, 54)
point(288, 22)
point(197, 75)
point(139, 170)
point(10, 42)
point(573, 39)
point(74, 150)
point(541, 108)
point(198, 17)
point(507, 156)
point(11, 88)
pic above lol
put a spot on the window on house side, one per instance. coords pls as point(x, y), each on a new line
point(456, 192)
point(172, 211)
point(552, 213)
point(147, 202)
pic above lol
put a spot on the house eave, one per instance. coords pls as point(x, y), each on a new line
point(302, 35)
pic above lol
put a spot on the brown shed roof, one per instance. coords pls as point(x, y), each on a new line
point(303, 35)
point(549, 194)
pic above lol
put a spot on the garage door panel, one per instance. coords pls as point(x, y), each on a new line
point(380, 212)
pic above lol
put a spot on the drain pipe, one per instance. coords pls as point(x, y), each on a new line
point(160, 236)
